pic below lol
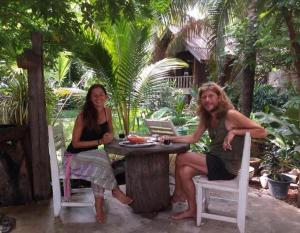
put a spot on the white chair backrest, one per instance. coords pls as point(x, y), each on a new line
point(161, 127)
point(59, 138)
point(58, 144)
point(54, 143)
point(244, 170)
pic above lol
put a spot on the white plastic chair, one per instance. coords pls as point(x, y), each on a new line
point(238, 186)
point(56, 144)
point(161, 127)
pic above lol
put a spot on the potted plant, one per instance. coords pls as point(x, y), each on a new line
point(281, 153)
point(278, 160)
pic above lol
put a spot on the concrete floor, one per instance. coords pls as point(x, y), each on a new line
point(264, 214)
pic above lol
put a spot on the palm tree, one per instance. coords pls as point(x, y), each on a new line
point(120, 58)
point(248, 75)
point(223, 13)
point(287, 12)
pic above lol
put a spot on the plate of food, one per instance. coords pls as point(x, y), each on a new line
point(133, 144)
point(136, 141)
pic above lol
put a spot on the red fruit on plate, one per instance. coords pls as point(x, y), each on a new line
point(136, 139)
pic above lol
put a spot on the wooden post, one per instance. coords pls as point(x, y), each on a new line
point(32, 60)
point(199, 73)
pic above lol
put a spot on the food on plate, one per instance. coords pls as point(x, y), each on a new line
point(136, 139)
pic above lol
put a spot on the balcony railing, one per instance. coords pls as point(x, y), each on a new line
point(185, 81)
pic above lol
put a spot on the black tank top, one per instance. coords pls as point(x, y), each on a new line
point(89, 134)
point(231, 158)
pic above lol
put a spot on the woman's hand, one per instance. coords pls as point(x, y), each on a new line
point(227, 140)
point(107, 138)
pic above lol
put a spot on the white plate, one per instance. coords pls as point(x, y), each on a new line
point(131, 144)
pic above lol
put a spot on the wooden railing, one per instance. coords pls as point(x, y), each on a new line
point(185, 81)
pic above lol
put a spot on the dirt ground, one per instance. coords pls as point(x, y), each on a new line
point(292, 194)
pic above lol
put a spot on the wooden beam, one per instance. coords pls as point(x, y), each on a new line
point(32, 60)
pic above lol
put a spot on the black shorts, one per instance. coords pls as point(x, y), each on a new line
point(216, 169)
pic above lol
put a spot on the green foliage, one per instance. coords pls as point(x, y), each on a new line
point(282, 151)
point(69, 114)
point(120, 59)
point(203, 145)
point(265, 97)
point(175, 112)
point(62, 67)
point(14, 100)
point(70, 98)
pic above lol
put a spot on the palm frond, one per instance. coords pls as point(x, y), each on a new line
point(178, 12)
point(89, 47)
point(62, 66)
point(192, 29)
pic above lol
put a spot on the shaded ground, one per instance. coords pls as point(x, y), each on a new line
point(265, 214)
point(258, 190)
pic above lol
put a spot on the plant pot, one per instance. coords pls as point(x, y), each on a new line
point(251, 172)
point(279, 189)
point(263, 179)
point(255, 162)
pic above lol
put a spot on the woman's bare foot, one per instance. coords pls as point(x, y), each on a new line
point(184, 215)
point(100, 216)
point(118, 194)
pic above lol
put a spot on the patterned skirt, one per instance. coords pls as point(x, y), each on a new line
point(94, 166)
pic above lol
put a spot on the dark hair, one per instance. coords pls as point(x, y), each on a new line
point(224, 105)
point(90, 114)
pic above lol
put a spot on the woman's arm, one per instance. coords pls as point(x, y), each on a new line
point(192, 138)
point(109, 136)
point(77, 131)
point(238, 124)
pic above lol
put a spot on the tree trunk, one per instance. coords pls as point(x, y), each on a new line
point(250, 60)
point(161, 46)
point(295, 45)
point(226, 75)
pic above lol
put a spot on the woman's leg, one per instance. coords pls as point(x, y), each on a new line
point(99, 205)
point(178, 195)
point(99, 202)
point(186, 175)
point(192, 159)
point(118, 194)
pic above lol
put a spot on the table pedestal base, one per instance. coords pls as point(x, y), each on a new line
point(147, 182)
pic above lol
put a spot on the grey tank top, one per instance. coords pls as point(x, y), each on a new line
point(231, 158)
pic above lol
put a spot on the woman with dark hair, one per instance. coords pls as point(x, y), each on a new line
point(226, 128)
point(93, 127)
